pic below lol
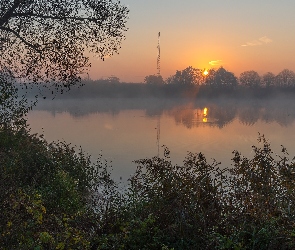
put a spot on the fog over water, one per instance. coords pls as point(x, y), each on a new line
point(127, 129)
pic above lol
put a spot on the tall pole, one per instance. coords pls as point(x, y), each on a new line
point(159, 56)
point(159, 73)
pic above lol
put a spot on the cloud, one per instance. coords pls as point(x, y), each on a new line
point(261, 41)
point(265, 39)
point(253, 43)
point(215, 63)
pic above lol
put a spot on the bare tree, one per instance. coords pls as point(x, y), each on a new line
point(49, 41)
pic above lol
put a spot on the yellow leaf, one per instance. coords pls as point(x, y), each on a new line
point(60, 246)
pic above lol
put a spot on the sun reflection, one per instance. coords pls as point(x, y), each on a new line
point(205, 113)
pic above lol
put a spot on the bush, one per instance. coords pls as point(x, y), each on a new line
point(45, 193)
point(199, 206)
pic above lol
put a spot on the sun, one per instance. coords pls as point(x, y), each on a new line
point(205, 72)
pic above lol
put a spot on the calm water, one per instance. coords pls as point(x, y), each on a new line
point(123, 130)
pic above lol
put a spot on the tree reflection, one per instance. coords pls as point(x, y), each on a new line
point(196, 114)
point(248, 115)
point(186, 115)
point(189, 113)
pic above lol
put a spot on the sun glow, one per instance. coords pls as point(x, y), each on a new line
point(205, 72)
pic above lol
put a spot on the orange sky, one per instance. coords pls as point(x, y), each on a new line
point(238, 35)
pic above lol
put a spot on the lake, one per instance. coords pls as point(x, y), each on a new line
point(126, 129)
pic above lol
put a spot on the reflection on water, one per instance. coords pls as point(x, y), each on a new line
point(221, 114)
point(205, 113)
point(217, 113)
point(123, 130)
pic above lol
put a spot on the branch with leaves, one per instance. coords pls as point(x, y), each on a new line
point(49, 41)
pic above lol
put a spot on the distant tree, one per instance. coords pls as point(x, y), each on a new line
point(48, 40)
point(250, 78)
point(188, 76)
point(209, 78)
point(154, 79)
point(268, 79)
point(285, 78)
point(221, 77)
point(175, 79)
point(113, 79)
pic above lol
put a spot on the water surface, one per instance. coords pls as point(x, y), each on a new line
point(124, 130)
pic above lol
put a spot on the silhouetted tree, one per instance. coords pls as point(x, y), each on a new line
point(250, 78)
point(285, 78)
point(268, 79)
point(188, 76)
point(209, 78)
point(154, 79)
point(175, 79)
point(113, 79)
point(48, 40)
point(221, 77)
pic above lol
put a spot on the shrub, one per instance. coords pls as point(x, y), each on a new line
point(45, 193)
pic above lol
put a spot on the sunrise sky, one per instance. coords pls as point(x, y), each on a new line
point(238, 35)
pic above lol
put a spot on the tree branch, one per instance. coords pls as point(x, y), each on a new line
point(4, 19)
point(21, 38)
point(30, 14)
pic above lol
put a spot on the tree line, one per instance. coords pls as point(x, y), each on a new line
point(222, 77)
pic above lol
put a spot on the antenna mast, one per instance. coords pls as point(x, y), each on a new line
point(159, 56)
point(159, 73)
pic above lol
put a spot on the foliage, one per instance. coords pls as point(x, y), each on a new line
point(46, 193)
point(199, 206)
point(48, 41)
point(259, 212)
point(13, 108)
